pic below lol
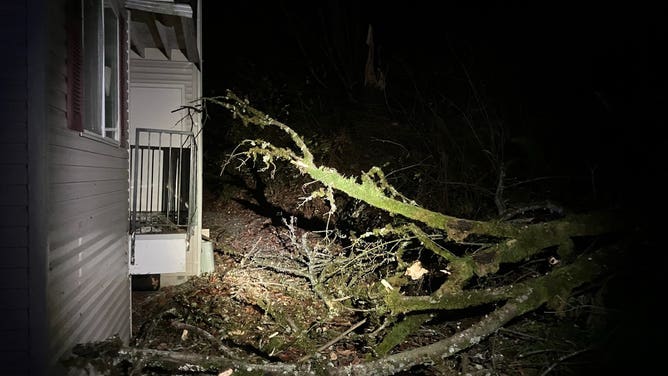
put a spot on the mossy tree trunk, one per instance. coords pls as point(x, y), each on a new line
point(516, 242)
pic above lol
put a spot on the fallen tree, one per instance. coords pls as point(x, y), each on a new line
point(520, 299)
point(372, 271)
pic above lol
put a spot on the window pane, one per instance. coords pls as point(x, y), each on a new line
point(93, 65)
point(110, 74)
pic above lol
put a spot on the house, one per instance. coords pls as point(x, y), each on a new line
point(97, 169)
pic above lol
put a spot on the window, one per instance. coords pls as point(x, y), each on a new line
point(97, 69)
point(111, 95)
point(101, 72)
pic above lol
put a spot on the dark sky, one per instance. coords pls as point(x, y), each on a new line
point(539, 54)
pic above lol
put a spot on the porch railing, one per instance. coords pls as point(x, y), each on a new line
point(162, 169)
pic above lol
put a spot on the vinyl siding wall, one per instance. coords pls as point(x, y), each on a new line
point(88, 295)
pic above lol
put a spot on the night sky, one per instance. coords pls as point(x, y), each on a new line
point(586, 79)
point(528, 53)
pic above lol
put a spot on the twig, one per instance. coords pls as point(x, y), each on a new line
point(535, 352)
point(498, 195)
point(335, 340)
point(209, 337)
point(406, 167)
point(380, 328)
point(138, 367)
point(561, 359)
point(200, 331)
point(539, 179)
point(550, 207)
point(391, 142)
point(251, 253)
point(521, 334)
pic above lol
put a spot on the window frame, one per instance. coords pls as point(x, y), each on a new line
point(87, 100)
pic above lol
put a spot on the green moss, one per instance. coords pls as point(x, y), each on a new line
point(400, 331)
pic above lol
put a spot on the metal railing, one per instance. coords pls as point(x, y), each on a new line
point(163, 168)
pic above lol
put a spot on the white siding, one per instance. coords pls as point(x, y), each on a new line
point(64, 198)
point(88, 295)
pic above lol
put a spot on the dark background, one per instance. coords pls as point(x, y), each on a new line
point(586, 80)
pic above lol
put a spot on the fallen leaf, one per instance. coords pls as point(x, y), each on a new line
point(416, 271)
